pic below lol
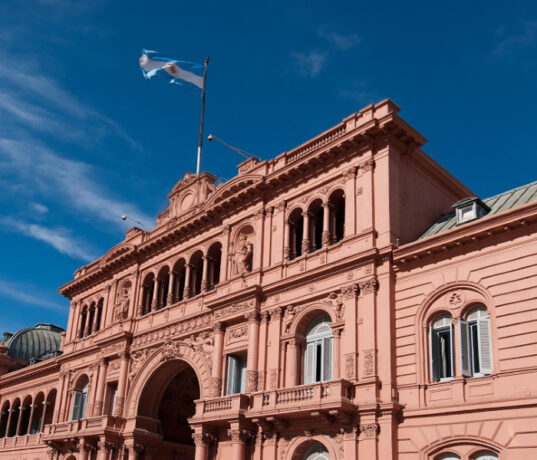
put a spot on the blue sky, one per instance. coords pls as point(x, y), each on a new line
point(84, 138)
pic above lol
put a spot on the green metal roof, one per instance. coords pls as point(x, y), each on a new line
point(498, 203)
point(35, 343)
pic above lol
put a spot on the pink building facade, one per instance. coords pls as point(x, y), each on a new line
point(326, 304)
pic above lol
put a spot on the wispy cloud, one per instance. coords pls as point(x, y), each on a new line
point(38, 208)
point(67, 180)
point(359, 92)
point(21, 293)
point(309, 64)
point(526, 36)
point(59, 238)
point(342, 41)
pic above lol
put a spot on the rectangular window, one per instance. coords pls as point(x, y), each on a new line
point(79, 405)
point(318, 360)
point(236, 374)
point(476, 354)
point(110, 399)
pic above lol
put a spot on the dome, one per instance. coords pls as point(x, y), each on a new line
point(36, 343)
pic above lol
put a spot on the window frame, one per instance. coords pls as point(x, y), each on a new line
point(434, 348)
point(236, 366)
point(473, 332)
point(318, 352)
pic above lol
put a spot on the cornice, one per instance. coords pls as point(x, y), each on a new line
point(486, 228)
point(30, 372)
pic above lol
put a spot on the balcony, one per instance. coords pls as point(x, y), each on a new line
point(86, 427)
point(26, 440)
point(220, 409)
point(323, 397)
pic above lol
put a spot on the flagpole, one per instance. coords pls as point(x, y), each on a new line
point(200, 141)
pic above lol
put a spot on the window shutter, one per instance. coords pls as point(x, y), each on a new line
point(466, 351)
point(452, 374)
point(485, 346)
point(309, 363)
point(76, 406)
point(435, 355)
point(327, 359)
point(231, 377)
point(241, 384)
point(83, 402)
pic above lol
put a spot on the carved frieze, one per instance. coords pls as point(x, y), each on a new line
point(237, 334)
point(234, 309)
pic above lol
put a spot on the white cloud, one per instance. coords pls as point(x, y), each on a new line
point(38, 208)
point(59, 238)
point(309, 64)
point(28, 294)
point(72, 181)
point(341, 41)
point(526, 36)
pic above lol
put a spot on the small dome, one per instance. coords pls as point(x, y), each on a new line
point(36, 343)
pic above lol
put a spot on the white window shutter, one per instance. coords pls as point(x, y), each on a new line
point(309, 363)
point(466, 350)
point(76, 406)
point(485, 345)
point(231, 377)
point(435, 355)
point(242, 381)
point(83, 402)
point(327, 359)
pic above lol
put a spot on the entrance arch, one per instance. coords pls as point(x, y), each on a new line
point(168, 398)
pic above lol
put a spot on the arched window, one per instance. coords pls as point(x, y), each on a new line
point(336, 203)
point(147, 293)
point(91, 319)
point(296, 233)
point(4, 415)
point(318, 351)
point(14, 418)
point(315, 224)
point(83, 319)
point(441, 336)
point(214, 259)
point(26, 406)
point(476, 347)
point(80, 398)
point(179, 274)
point(316, 452)
point(163, 285)
point(487, 455)
point(99, 313)
point(196, 273)
point(48, 409)
point(447, 457)
point(35, 426)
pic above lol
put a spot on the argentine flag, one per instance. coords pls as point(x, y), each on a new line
point(154, 64)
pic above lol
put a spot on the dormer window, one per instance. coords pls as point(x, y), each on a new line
point(469, 209)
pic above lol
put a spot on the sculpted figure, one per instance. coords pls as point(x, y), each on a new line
point(243, 255)
point(121, 308)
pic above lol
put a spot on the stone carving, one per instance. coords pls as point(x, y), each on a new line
point(370, 430)
point(261, 380)
point(237, 334)
point(202, 439)
point(290, 313)
point(233, 309)
point(369, 362)
point(251, 381)
point(121, 308)
point(367, 165)
point(137, 358)
point(202, 342)
point(243, 255)
point(171, 350)
point(369, 286)
point(455, 298)
point(335, 300)
point(273, 381)
point(350, 292)
point(216, 387)
point(252, 317)
point(349, 366)
point(240, 436)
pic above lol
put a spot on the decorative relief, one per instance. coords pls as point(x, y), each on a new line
point(137, 359)
point(335, 301)
point(202, 439)
point(350, 292)
point(367, 165)
point(261, 380)
point(369, 286)
point(350, 366)
point(237, 334)
point(359, 191)
point(455, 299)
point(202, 343)
point(234, 309)
point(171, 350)
point(370, 430)
point(273, 380)
point(311, 288)
point(288, 317)
point(215, 387)
point(251, 381)
point(242, 256)
point(369, 362)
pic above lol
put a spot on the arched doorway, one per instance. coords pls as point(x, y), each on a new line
point(168, 398)
point(311, 450)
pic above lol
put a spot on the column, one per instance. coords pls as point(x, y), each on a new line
point(262, 358)
point(30, 419)
point(274, 352)
point(238, 442)
point(186, 294)
point(88, 321)
point(257, 260)
point(286, 245)
point(96, 317)
point(80, 328)
point(306, 233)
point(60, 398)
point(225, 254)
point(171, 289)
point(154, 302)
point(216, 378)
point(43, 416)
point(103, 449)
point(201, 441)
point(253, 350)
point(205, 271)
point(83, 448)
point(99, 390)
point(19, 420)
point(8, 424)
point(292, 368)
point(94, 369)
point(120, 399)
point(350, 201)
point(326, 237)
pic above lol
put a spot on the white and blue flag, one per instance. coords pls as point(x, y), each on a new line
point(152, 63)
